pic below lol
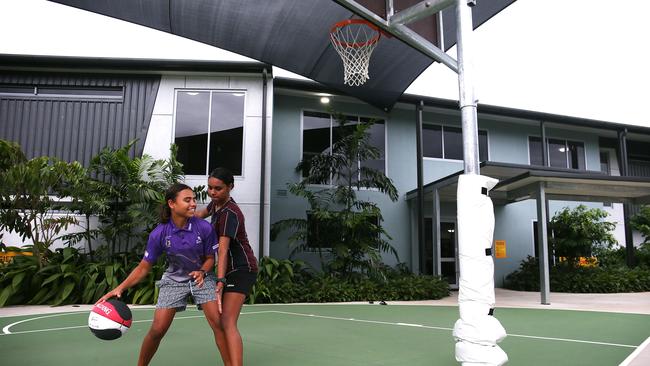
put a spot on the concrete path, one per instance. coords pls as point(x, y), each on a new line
point(637, 303)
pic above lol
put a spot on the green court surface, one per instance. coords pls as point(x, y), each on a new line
point(329, 335)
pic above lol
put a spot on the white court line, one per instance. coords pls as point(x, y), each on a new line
point(633, 355)
point(441, 328)
point(6, 331)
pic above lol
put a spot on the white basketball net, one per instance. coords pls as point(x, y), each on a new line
point(355, 42)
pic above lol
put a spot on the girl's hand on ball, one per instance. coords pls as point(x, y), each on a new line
point(116, 292)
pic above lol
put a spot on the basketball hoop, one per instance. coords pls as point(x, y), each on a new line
point(354, 40)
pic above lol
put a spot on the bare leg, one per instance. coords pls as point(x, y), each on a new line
point(232, 304)
point(213, 317)
point(162, 319)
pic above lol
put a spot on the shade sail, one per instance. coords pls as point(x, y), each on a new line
point(291, 34)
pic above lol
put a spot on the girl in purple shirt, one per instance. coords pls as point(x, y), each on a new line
point(189, 243)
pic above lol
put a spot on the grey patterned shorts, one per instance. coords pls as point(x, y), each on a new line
point(174, 294)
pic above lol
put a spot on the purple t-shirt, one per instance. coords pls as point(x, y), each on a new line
point(186, 247)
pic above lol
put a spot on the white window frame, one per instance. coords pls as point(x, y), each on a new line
point(332, 121)
point(442, 132)
point(566, 144)
point(207, 158)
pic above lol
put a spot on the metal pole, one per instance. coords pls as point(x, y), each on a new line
point(544, 281)
point(467, 99)
point(542, 128)
point(390, 9)
point(419, 11)
point(436, 233)
point(420, 180)
point(627, 209)
point(262, 232)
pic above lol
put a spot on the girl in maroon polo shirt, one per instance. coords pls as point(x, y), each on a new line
point(237, 265)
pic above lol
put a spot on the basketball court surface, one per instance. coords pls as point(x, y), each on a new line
point(348, 334)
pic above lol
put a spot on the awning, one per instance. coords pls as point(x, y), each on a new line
point(520, 182)
point(291, 34)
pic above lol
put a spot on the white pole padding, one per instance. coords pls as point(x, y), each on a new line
point(476, 332)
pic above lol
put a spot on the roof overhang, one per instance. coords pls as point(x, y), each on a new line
point(521, 182)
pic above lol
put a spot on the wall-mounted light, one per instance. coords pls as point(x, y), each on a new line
point(325, 100)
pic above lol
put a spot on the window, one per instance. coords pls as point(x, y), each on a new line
point(605, 168)
point(321, 131)
point(210, 131)
point(321, 234)
point(445, 142)
point(110, 93)
point(604, 162)
point(561, 153)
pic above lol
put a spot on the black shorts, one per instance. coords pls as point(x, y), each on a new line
point(240, 281)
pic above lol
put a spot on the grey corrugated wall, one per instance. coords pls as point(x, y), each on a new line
point(72, 129)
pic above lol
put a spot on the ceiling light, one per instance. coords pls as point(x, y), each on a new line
point(325, 100)
point(238, 94)
point(192, 93)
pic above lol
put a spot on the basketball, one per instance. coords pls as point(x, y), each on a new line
point(110, 319)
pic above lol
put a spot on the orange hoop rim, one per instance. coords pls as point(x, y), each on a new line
point(347, 22)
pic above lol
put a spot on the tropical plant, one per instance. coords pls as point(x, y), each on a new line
point(641, 222)
point(578, 232)
point(27, 188)
point(338, 219)
point(275, 281)
point(132, 190)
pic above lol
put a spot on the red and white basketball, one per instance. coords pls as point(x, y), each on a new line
point(110, 319)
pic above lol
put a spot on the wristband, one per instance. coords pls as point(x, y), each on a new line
point(222, 280)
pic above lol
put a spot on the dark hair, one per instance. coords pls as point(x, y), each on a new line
point(170, 194)
point(223, 175)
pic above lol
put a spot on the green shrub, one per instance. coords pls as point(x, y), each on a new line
point(567, 278)
point(288, 282)
point(580, 231)
point(68, 277)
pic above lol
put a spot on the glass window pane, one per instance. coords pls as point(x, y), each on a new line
point(447, 240)
point(535, 151)
point(431, 141)
point(453, 138)
point(227, 131)
point(377, 139)
point(604, 162)
point(482, 146)
point(320, 232)
point(448, 271)
point(16, 89)
point(557, 153)
point(191, 133)
point(576, 155)
point(338, 133)
point(315, 135)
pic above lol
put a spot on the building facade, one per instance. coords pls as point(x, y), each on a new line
point(237, 115)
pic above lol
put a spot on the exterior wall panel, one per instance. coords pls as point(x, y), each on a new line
point(72, 128)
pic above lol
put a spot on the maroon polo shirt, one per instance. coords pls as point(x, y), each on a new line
point(229, 221)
